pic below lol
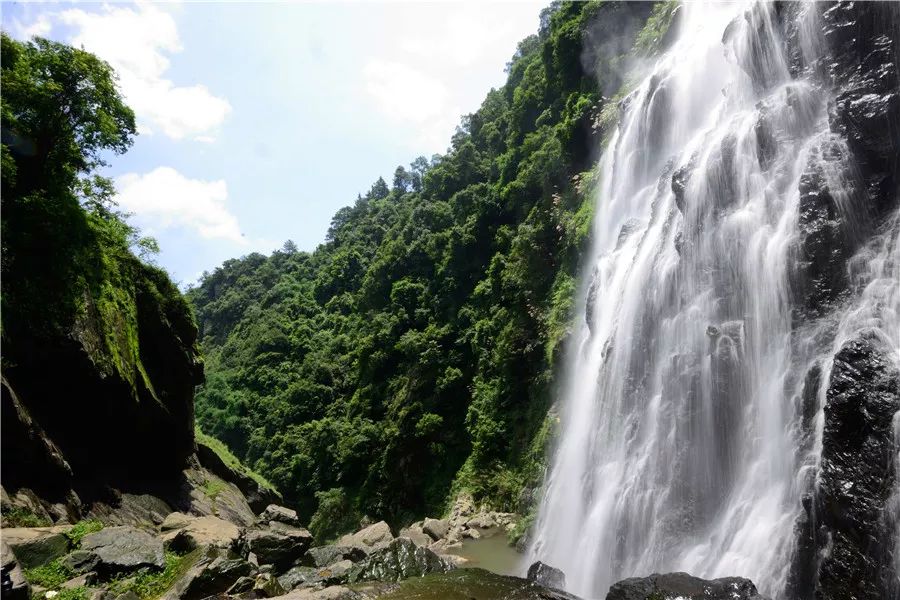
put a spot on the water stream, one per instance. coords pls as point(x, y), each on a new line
point(681, 446)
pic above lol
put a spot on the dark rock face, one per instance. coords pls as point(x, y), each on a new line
point(546, 575)
point(857, 473)
point(210, 577)
point(112, 400)
point(124, 549)
point(322, 556)
point(14, 585)
point(683, 586)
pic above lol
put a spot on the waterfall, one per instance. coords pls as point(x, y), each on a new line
point(683, 445)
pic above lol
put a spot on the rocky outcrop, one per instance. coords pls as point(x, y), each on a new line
point(546, 575)
point(683, 587)
point(185, 533)
point(15, 587)
point(857, 472)
point(124, 549)
point(257, 496)
point(34, 546)
point(277, 544)
point(369, 538)
point(400, 559)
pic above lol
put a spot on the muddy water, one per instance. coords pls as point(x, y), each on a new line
point(463, 584)
point(491, 552)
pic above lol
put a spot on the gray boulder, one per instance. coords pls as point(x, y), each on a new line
point(416, 534)
point(211, 575)
point(400, 559)
point(300, 577)
point(686, 587)
point(322, 556)
point(278, 544)
point(546, 575)
point(436, 528)
point(377, 535)
point(35, 546)
point(124, 549)
point(199, 532)
point(281, 514)
point(15, 587)
point(80, 561)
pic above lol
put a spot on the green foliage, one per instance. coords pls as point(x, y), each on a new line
point(64, 243)
point(22, 517)
point(334, 515)
point(148, 583)
point(650, 39)
point(77, 593)
point(229, 458)
point(50, 575)
point(413, 354)
point(81, 529)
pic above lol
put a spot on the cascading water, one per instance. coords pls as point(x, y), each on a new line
point(682, 446)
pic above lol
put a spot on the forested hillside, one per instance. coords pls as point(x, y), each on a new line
point(413, 353)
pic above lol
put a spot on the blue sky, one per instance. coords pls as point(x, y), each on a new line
point(258, 121)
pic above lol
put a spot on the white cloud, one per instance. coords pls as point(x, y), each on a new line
point(136, 40)
point(164, 198)
point(437, 61)
point(41, 27)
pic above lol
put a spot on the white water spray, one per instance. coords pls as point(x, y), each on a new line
point(681, 446)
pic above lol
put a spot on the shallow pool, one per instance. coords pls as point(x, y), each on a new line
point(491, 552)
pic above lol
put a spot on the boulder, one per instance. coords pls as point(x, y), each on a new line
point(400, 559)
point(416, 534)
point(124, 549)
point(80, 561)
point(322, 556)
point(436, 528)
point(281, 514)
point(278, 544)
point(15, 587)
point(335, 592)
point(175, 520)
point(546, 575)
point(258, 497)
point(302, 576)
point(35, 546)
point(267, 586)
point(376, 535)
point(684, 587)
point(199, 532)
point(483, 521)
point(209, 576)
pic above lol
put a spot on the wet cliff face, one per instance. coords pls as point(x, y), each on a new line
point(845, 536)
point(105, 400)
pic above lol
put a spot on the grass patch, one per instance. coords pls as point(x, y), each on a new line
point(79, 593)
point(152, 584)
point(81, 529)
point(230, 459)
point(22, 517)
point(51, 575)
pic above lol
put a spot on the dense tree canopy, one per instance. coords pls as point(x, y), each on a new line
point(414, 350)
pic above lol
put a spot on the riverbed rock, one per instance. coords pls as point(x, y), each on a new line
point(211, 575)
point(401, 558)
point(278, 544)
point(377, 535)
point(198, 532)
point(684, 587)
point(281, 514)
point(80, 561)
point(124, 549)
point(35, 546)
point(544, 574)
point(15, 587)
point(175, 520)
point(436, 528)
point(322, 556)
point(416, 534)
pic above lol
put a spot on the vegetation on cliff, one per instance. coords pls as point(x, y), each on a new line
point(415, 350)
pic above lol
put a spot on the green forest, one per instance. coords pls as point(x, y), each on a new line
point(412, 355)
